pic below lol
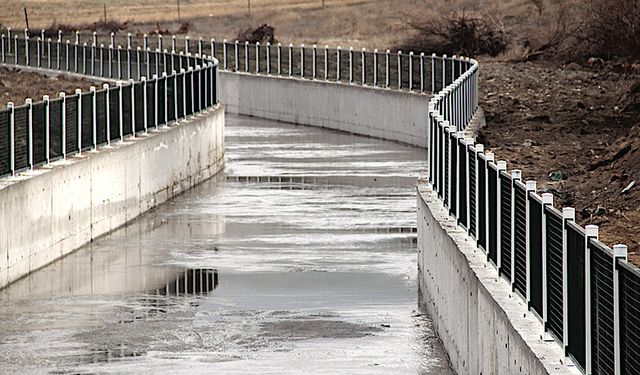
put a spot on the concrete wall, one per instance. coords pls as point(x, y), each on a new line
point(375, 112)
point(485, 328)
point(53, 210)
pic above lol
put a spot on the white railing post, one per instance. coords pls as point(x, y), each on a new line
point(279, 59)
point(351, 65)
point(339, 64)
point(79, 120)
point(29, 103)
point(184, 92)
point(47, 122)
point(12, 140)
point(94, 118)
point(444, 71)
point(531, 187)
point(568, 214)
point(422, 72)
point(388, 69)
point(268, 58)
point(186, 44)
point(133, 107)
point(63, 124)
point(314, 61)
point(375, 67)
point(94, 46)
point(302, 61)
point(290, 60)
point(193, 96)
point(399, 70)
point(363, 63)
point(38, 54)
point(224, 55)
point(119, 62)
point(143, 82)
point(165, 87)
point(547, 202)
point(619, 254)
point(591, 232)
point(433, 73)
point(326, 62)
point(246, 57)
point(173, 44)
point(139, 62)
point(107, 113)
point(3, 56)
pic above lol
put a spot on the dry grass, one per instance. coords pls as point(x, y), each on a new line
point(359, 22)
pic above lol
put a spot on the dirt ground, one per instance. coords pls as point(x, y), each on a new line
point(16, 85)
point(574, 130)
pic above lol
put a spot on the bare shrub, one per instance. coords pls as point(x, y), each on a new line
point(610, 28)
point(262, 34)
point(459, 33)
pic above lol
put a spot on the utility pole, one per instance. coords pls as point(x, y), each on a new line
point(105, 12)
point(249, 5)
point(178, 9)
point(26, 17)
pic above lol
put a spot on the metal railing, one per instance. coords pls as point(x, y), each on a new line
point(153, 89)
point(586, 295)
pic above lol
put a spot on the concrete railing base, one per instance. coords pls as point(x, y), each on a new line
point(484, 327)
point(392, 115)
point(53, 210)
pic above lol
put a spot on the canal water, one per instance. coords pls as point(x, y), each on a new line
point(299, 258)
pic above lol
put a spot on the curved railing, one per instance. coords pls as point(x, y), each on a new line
point(584, 293)
point(152, 89)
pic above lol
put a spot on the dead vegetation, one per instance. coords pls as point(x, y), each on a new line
point(461, 33)
point(261, 34)
point(527, 30)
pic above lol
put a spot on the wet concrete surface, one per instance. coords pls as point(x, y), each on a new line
point(300, 258)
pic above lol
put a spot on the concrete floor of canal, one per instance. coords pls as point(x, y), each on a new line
point(300, 258)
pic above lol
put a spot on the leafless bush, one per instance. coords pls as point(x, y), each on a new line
point(610, 28)
point(459, 33)
point(262, 34)
point(108, 26)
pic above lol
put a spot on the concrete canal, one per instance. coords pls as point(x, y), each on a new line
point(299, 258)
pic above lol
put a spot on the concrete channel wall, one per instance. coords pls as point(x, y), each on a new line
point(485, 328)
point(375, 112)
point(55, 209)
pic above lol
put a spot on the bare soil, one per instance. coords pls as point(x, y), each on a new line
point(16, 85)
point(580, 123)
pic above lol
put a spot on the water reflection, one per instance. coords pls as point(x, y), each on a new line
point(191, 282)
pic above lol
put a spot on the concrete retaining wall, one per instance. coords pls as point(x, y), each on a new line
point(484, 327)
point(375, 112)
point(53, 210)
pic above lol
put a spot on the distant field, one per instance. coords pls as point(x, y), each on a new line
point(366, 23)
